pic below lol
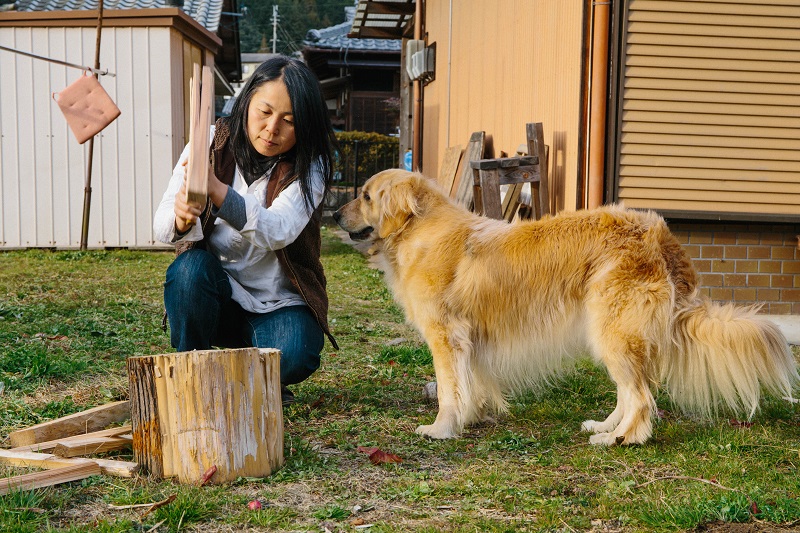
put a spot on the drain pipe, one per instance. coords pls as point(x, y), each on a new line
point(416, 143)
point(597, 109)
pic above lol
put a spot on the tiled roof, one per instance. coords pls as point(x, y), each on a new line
point(205, 12)
point(335, 37)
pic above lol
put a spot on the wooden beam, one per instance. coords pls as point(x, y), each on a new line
point(89, 446)
point(49, 446)
point(50, 461)
point(75, 424)
point(48, 478)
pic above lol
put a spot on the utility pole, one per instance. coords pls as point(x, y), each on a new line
point(274, 28)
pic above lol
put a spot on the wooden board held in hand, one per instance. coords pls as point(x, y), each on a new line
point(201, 97)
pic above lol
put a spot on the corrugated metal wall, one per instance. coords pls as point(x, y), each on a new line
point(711, 107)
point(42, 166)
point(500, 65)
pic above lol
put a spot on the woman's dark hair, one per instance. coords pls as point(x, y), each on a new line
point(313, 132)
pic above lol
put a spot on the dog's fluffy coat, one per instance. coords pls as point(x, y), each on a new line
point(505, 307)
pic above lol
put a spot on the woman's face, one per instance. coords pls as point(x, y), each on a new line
point(270, 123)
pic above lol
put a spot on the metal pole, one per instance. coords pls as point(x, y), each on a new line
point(355, 169)
point(87, 189)
point(274, 28)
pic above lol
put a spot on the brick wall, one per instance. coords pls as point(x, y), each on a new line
point(746, 263)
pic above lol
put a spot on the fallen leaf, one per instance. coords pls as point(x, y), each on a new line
point(210, 472)
point(378, 456)
point(754, 508)
point(319, 402)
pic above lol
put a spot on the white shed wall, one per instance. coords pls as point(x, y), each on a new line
point(42, 166)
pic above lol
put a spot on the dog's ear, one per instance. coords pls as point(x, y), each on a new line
point(399, 202)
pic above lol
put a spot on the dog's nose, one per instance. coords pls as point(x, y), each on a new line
point(336, 216)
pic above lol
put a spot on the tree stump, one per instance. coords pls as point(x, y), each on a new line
point(194, 410)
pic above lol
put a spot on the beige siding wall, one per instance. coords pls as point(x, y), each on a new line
point(500, 65)
point(711, 107)
point(42, 166)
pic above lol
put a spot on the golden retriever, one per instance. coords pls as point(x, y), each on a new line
point(505, 307)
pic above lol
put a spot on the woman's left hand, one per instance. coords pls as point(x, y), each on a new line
point(216, 189)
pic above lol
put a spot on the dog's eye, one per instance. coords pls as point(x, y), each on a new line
point(366, 196)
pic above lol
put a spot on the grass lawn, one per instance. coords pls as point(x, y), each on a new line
point(69, 319)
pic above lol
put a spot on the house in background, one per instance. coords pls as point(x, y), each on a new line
point(360, 77)
point(688, 108)
point(151, 51)
point(251, 61)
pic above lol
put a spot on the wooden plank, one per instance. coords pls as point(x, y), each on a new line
point(490, 193)
point(534, 131)
point(88, 446)
point(49, 446)
point(201, 97)
point(93, 419)
point(49, 461)
point(464, 193)
point(447, 173)
point(511, 201)
point(47, 478)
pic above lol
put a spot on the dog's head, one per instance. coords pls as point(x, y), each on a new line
point(387, 201)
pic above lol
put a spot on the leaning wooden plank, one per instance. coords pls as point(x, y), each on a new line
point(90, 446)
point(465, 186)
point(511, 201)
point(93, 419)
point(202, 95)
point(50, 461)
point(48, 478)
point(447, 173)
point(50, 445)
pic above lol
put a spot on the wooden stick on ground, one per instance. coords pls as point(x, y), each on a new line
point(77, 448)
point(50, 462)
point(75, 424)
point(48, 478)
point(50, 445)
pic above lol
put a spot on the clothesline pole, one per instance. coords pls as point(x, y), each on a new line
point(87, 190)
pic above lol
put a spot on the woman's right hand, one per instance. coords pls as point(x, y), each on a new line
point(186, 213)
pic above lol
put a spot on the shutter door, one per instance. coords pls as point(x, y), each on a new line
point(710, 108)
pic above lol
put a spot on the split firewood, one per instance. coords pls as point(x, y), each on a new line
point(92, 445)
point(49, 446)
point(50, 462)
point(93, 419)
point(200, 98)
point(49, 478)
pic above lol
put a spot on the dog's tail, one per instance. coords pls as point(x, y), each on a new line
point(724, 356)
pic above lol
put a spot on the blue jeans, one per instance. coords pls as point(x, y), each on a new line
point(201, 313)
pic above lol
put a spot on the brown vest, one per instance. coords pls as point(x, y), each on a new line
point(299, 260)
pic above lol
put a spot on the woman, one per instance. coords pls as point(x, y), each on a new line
point(248, 271)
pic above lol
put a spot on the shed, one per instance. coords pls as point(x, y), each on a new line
point(42, 167)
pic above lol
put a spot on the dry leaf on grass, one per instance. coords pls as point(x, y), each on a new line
point(378, 456)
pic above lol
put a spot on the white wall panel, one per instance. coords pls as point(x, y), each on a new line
point(42, 166)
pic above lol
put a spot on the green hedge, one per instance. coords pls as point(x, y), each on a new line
point(375, 152)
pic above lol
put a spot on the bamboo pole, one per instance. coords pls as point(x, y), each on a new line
point(87, 189)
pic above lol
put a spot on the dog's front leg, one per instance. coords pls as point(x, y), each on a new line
point(449, 420)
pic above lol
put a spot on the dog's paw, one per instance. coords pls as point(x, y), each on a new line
point(605, 439)
point(435, 432)
point(594, 426)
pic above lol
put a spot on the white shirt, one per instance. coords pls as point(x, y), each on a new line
point(248, 255)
